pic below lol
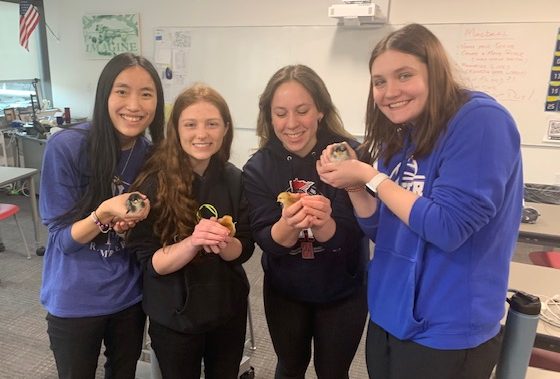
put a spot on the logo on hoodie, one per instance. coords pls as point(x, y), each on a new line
point(410, 179)
point(302, 186)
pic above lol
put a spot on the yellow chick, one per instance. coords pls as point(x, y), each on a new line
point(340, 152)
point(227, 221)
point(287, 199)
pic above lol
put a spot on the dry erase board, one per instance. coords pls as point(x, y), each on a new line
point(510, 61)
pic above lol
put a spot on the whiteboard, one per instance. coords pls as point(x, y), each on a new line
point(510, 61)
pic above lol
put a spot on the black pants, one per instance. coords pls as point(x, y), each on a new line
point(180, 355)
point(334, 328)
point(76, 343)
point(390, 358)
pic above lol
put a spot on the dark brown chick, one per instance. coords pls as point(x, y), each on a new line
point(134, 203)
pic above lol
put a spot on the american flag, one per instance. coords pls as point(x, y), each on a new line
point(28, 20)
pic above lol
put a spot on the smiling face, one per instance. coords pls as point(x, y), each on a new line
point(295, 118)
point(400, 86)
point(201, 131)
point(132, 104)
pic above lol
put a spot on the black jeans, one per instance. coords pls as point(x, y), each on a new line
point(180, 354)
point(390, 358)
point(334, 328)
point(76, 343)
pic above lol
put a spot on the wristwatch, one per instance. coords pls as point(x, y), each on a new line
point(376, 181)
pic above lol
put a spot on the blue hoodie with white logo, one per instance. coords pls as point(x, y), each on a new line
point(442, 280)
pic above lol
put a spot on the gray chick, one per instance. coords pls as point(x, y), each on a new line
point(339, 152)
point(134, 203)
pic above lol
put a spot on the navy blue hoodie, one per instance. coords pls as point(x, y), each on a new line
point(340, 263)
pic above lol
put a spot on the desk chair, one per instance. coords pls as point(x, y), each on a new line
point(7, 210)
point(545, 258)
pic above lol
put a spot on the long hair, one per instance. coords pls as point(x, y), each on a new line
point(445, 96)
point(174, 208)
point(103, 147)
point(309, 79)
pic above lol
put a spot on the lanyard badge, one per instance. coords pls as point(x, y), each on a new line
point(306, 244)
point(306, 236)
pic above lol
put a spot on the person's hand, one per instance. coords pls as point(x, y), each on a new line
point(318, 207)
point(344, 173)
point(294, 215)
point(210, 235)
point(117, 210)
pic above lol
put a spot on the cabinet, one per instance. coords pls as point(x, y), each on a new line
point(32, 151)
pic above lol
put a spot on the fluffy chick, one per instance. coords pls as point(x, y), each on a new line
point(339, 152)
point(227, 221)
point(134, 203)
point(287, 199)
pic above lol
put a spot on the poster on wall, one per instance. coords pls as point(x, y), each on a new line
point(108, 35)
point(553, 95)
point(171, 56)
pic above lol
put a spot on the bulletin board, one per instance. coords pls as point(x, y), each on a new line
point(510, 61)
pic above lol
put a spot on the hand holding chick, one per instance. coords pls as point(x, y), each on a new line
point(292, 210)
point(227, 221)
point(134, 203)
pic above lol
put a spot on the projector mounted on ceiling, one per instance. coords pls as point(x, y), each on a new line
point(360, 12)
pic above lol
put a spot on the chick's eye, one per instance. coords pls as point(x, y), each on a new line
point(189, 125)
point(280, 114)
point(213, 125)
point(120, 92)
point(147, 95)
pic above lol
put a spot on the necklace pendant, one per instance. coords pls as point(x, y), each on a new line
point(117, 180)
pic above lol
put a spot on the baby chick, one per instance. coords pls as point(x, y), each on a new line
point(227, 221)
point(339, 152)
point(287, 199)
point(134, 203)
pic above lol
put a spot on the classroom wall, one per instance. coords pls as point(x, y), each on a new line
point(242, 42)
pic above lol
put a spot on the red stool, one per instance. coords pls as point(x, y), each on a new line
point(545, 359)
point(545, 258)
point(7, 210)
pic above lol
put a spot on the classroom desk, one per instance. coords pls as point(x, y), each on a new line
point(546, 231)
point(537, 373)
point(13, 174)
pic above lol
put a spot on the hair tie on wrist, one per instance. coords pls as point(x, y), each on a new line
point(354, 188)
point(104, 228)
